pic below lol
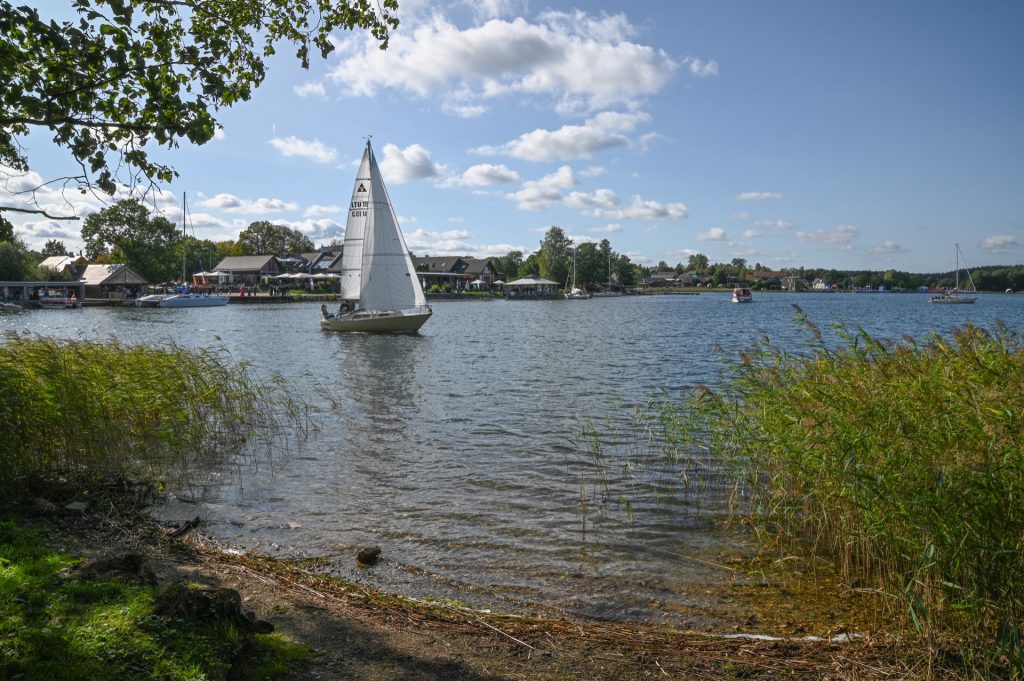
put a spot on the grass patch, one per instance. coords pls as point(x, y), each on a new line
point(53, 628)
point(899, 462)
point(82, 410)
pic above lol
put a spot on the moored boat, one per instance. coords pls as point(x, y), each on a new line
point(957, 295)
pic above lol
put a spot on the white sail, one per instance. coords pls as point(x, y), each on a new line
point(389, 281)
point(355, 231)
point(380, 289)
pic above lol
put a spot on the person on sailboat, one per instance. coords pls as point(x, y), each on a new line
point(323, 311)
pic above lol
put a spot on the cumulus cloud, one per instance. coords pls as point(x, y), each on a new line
point(412, 163)
point(758, 196)
point(314, 89)
point(607, 229)
point(641, 209)
point(579, 59)
point(545, 192)
point(887, 247)
point(314, 150)
point(775, 224)
point(603, 131)
point(483, 175)
point(593, 171)
point(229, 203)
point(316, 230)
point(701, 68)
point(1000, 244)
point(602, 198)
point(316, 209)
point(447, 241)
point(751, 234)
point(713, 234)
point(841, 234)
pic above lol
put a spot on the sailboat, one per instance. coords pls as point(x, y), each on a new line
point(956, 295)
point(183, 298)
point(380, 289)
point(608, 292)
point(575, 293)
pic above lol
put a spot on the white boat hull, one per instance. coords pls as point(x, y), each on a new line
point(193, 300)
point(152, 300)
point(952, 300)
point(400, 321)
point(59, 303)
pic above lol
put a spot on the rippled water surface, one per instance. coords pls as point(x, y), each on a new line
point(451, 450)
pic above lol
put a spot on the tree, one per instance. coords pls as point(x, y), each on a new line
point(698, 262)
point(126, 232)
point(126, 77)
point(55, 247)
point(266, 238)
point(6, 230)
point(15, 262)
point(591, 267)
point(553, 256)
point(508, 265)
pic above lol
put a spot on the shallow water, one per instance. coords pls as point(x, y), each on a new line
point(451, 450)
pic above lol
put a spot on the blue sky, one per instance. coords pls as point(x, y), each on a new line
point(856, 135)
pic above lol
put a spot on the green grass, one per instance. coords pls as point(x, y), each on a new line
point(53, 628)
point(901, 463)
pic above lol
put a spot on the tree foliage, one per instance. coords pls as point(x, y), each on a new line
point(55, 247)
point(553, 256)
point(126, 233)
point(123, 77)
point(266, 238)
point(15, 262)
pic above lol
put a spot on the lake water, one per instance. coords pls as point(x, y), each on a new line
point(451, 450)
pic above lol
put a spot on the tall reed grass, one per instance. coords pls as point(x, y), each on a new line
point(80, 410)
point(901, 462)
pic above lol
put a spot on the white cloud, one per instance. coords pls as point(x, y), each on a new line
point(316, 209)
point(324, 230)
point(545, 192)
point(219, 134)
point(751, 234)
point(494, 9)
point(701, 68)
point(758, 196)
point(608, 229)
point(887, 247)
point(579, 59)
point(713, 234)
point(775, 224)
point(412, 163)
point(229, 203)
point(602, 198)
point(483, 175)
point(593, 171)
point(1000, 244)
point(464, 110)
point(314, 89)
point(642, 210)
point(293, 146)
point(841, 234)
point(603, 131)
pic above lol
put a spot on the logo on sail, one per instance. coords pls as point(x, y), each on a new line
point(361, 188)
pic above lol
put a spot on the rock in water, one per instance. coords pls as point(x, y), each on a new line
point(368, 555)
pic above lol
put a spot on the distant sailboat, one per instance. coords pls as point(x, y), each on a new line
point(183, 298)
point(574, 292)
point(608, 291)
point(957, 295)
point(380, 289)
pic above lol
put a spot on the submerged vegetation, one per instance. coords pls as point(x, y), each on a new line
point(81, 410)
point(901, 463)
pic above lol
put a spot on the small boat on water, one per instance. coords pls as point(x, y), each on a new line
point(742, 295)
point(574, 292)
point(62, 301)
point(183, 298)
point(10, 307)
point(152, 300)
point(957, 295)
point(380, 288)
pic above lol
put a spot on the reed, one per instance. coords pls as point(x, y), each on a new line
point(901, 462)
point(83, 410)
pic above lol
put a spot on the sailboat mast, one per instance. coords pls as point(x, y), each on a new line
point(183, 238)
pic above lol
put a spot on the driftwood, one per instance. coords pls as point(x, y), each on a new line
point(185, 528)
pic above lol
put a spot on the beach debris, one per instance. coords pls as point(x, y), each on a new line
point(368, 555)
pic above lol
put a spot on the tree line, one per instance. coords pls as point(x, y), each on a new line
point(129, 233)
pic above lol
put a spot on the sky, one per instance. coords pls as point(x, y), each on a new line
point(848, 135)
